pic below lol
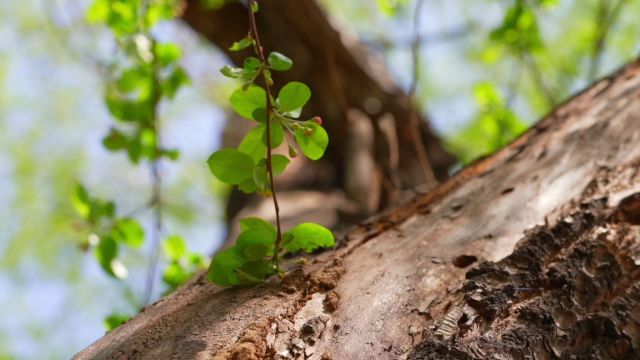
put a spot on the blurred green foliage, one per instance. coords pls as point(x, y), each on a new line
point(494, 126)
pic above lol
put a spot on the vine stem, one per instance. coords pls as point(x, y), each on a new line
point(253, 30)
point(418, 144)
point(156, 196)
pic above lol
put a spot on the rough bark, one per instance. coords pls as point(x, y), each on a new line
point(350, 87)
point(533, 252)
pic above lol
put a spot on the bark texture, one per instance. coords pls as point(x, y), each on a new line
point(531, 253)
point(366, 115)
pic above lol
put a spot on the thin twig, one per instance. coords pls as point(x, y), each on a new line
point(538, 78)
point(418, 144)
point(448, 35)
point(253, 29)
point(156, 197)
point(605, 18)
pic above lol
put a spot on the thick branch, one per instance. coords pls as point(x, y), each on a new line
point(440, 275)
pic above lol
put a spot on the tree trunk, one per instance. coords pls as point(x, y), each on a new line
point(533, 252)
point(365, 114)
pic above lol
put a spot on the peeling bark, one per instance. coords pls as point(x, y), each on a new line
point(533, 252)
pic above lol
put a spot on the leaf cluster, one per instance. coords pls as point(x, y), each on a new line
point(251, 166)
point(246, 166)
point(106, 231)
point(250, 261)
point(183, 264)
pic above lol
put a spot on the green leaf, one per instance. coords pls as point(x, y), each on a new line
point(255, 243)
point(231, 166)
point(172, 154)
point(139, 78)
point(161, 10)
point(313, 140)
point(279, 62)
point(256, 222)
point(260, 177)
point(106, 253)
point(255, 7)
point(128, 232)
point(246, 102)
point(167, 53)
point(175, 275)
point(114, 320)
point(293, 96)
point(308, 237)
point(121, 16)
point(242, 44)
point(248, 186)
point(253, 143)
point(197, 260)
point(98, 11)
point(255, 272)
point(222, 269)
point(279, 163)
point(174, 82)
point(115, 140)
point(231, 72)
point(174, 247)
point(100, 209)
point(390, 7)
point(251, 63)
point(260, 115)
point(80, 201)
point(127, 110)
point(277, 134)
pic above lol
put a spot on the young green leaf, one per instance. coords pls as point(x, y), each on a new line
point(231, 166)
point(255, 243)
point(174, 247)
point(127, 110)
point(260, 177)
point(172, 154)
point(293, 96)
point(255, 272)
point(253, 143)
point(167, 53)
point(223, 268)
point(137, 78)
point(248, 186)
point(174, 82)
point(312, 139)
point(246, 102)
point(251, 63)
point(115, 140)
point(277, 134)
point(231, 72)
point(308, 237)
point(114, 320)
point(106, 253)
point(128, 232)
point(242, 44)
point(279, 62)
point(175, 275)
point(80, 201)
point(255, 222)
point(279, 163)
